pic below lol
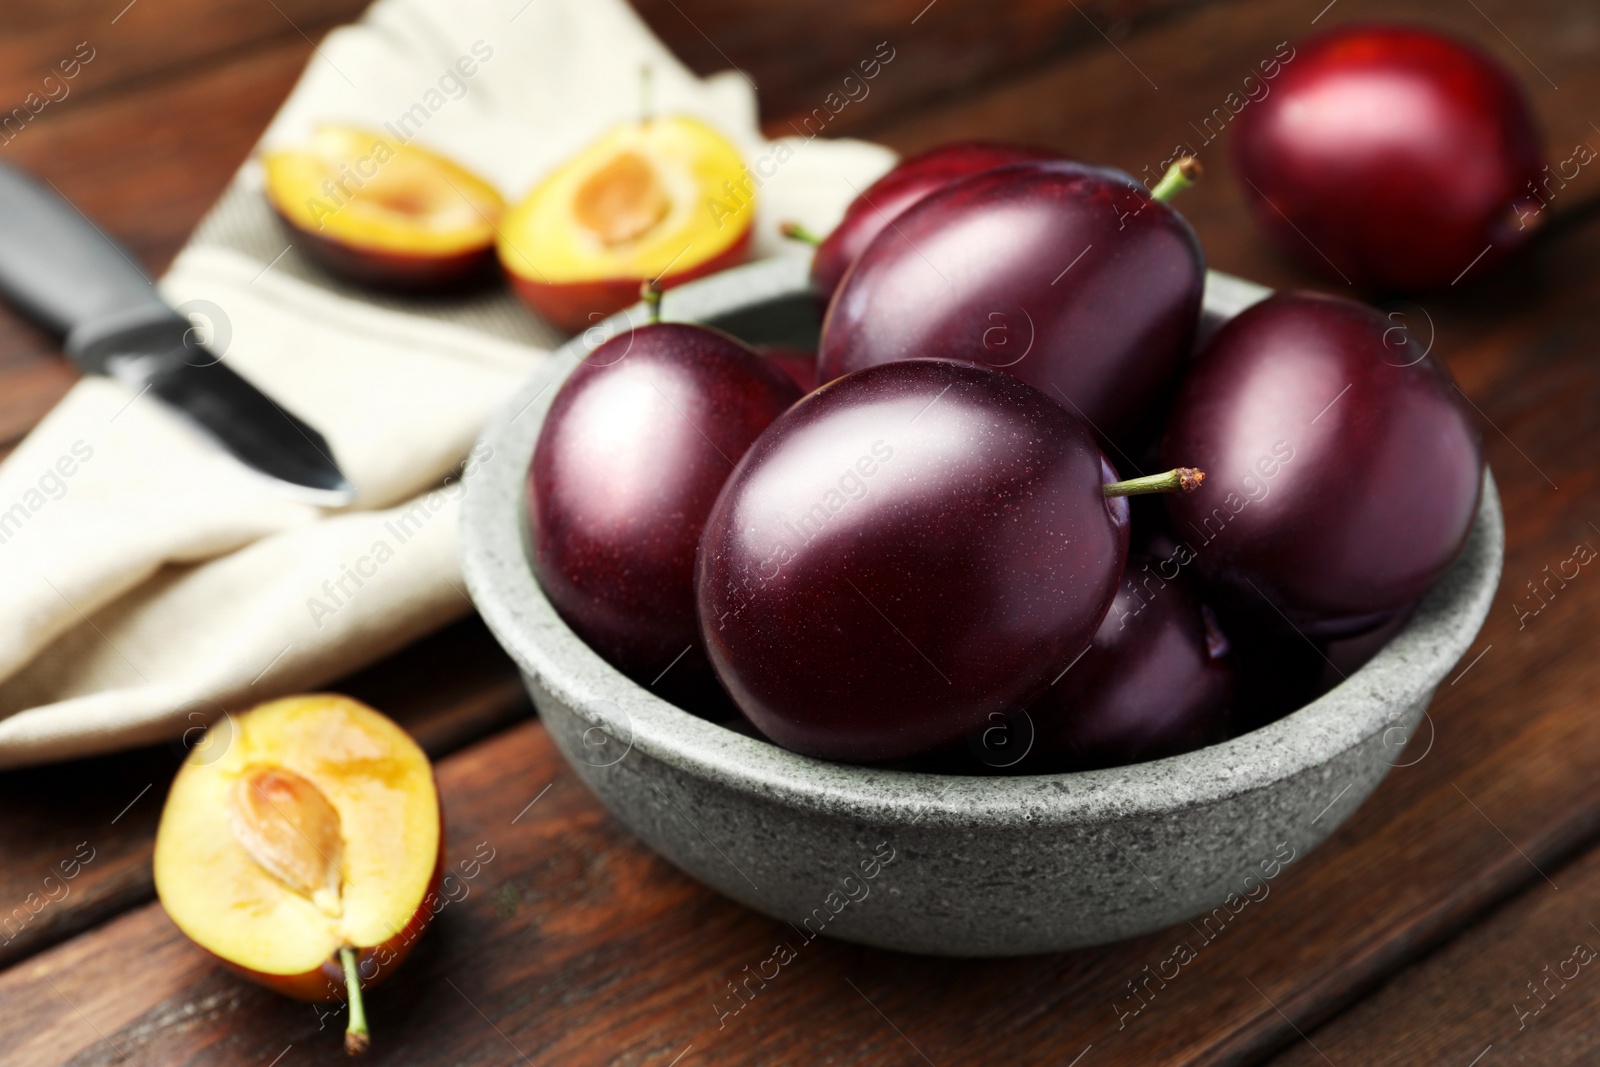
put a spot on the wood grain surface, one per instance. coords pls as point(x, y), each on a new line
point(1409, 937)
point(1519, 988)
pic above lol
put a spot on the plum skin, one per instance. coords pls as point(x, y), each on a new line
point(1068, 277)
point(907, 182)
point(1398, 153)
point(903, 552)
point(1343, 473)
point(1158, 680)
point(630, 458)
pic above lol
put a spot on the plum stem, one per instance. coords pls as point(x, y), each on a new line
point(796, 232)
point(646, 100)
point(1182, 174)
point(1177, 480)
point(356, 1038)
point(650, 293)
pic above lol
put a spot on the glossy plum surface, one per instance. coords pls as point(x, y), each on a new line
point(887, 198)
point(903, 552)
point(1067, 277)
point(1156, 680)
point(632, 454)
point(1398, 154)
point(1343, 472)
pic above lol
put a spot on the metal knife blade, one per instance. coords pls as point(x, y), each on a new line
point(241, 418)
point(60, 269)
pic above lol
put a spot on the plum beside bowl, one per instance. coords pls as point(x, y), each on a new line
point(990, 866)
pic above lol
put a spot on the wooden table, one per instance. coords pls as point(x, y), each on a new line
point(1410, 937)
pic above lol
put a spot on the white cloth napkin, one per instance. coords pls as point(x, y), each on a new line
point(151, 582)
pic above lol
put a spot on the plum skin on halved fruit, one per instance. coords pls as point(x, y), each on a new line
point(901, 553)
point(631, 456)
point(1068, 277)
point(1344, 472)
point(383, 213)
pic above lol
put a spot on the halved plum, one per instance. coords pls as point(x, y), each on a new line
point(385, 213)
point(665, 199)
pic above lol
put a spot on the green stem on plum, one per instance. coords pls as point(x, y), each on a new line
point(1182, 174)
point(796, 232)
point(650, 293)
point(647, 109)
point(356, 1038)
point(1177, 480)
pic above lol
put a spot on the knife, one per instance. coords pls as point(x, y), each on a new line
point(60, 269)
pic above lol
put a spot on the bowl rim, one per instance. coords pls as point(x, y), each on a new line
point(1374, 699)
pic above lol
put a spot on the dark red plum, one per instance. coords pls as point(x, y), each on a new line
point(904, 551)
point(907, 182)
point(1156, 681)
point(1070, 278)
point(1343, 470)
point(632, 454)
point(1393, 157)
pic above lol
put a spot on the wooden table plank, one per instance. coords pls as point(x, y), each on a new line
point(118, 44)
point(575, 945)
point(797, 52)
point(96, 819)
point(1520, 988)
point(174, 147)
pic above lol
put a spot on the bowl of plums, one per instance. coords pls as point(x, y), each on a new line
point(993, 579)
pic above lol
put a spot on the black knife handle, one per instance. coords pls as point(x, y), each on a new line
point(59, 269)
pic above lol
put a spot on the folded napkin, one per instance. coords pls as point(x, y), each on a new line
point(150, 581)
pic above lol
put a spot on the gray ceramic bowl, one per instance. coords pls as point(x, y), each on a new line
point(937, 864)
